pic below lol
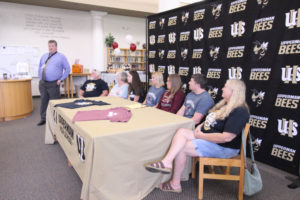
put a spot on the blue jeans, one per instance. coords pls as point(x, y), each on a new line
point(209, 149)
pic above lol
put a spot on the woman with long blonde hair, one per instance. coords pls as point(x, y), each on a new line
point(218, 137)
point(172, 99)
point(156, 90)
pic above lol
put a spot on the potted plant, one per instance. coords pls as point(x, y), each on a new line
point(109, 40)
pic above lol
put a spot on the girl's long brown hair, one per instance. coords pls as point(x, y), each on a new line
point(136, 83)
point(175, 81)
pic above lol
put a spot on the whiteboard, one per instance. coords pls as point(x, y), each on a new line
point(11, 55)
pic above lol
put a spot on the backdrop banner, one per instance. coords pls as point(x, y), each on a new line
point(257, 41)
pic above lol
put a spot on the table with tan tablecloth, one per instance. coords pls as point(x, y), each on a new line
point(109, 157)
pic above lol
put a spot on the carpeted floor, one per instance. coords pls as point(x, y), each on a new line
point(31, 170)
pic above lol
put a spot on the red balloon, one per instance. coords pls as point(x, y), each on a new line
point(115, 45)
point(132, 47)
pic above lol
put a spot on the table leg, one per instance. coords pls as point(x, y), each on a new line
point(71, 79)
point(68, 86)
point(65, 87)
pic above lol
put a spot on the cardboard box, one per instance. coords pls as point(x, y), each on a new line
point(77, 68)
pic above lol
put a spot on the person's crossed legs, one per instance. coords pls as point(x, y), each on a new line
point(181, 147)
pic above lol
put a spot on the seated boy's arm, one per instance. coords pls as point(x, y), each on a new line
point(181, 110)
point(197, 117)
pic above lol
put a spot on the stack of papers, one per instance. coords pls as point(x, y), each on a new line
point(135, 106)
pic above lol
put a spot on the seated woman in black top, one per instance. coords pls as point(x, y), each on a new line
point(95, 87)
point(219, 136)
point(136, 90)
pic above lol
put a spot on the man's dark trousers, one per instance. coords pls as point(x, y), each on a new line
point(48, 91)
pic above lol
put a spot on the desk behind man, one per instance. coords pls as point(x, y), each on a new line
point(53, 69)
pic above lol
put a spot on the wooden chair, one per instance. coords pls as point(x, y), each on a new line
point(237, 161)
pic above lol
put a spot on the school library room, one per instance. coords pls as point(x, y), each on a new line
point(149, 100)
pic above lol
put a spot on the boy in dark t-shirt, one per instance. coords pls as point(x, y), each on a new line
point(95, 87)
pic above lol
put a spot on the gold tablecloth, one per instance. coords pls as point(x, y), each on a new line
point(115, 152)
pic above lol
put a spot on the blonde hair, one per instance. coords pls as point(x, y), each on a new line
point(237, 99)
point(175, 81)
point(159, 78)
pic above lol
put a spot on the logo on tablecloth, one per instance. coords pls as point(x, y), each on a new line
point(66, 129)
point(80, 147)
point(55, 116)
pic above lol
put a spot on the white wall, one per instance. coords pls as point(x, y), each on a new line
point(26, 25)
point(120, 26)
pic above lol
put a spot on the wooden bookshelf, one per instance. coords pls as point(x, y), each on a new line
point(135, 58)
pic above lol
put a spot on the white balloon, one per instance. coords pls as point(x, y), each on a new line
point(128, 38)
point(117, 52)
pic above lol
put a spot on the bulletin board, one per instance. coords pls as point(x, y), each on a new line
point(11, 55)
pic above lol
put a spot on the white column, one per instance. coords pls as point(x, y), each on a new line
point(164, 5)
point(98, 50)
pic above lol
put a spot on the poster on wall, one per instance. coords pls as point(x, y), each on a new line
point(256, 41)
